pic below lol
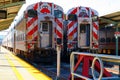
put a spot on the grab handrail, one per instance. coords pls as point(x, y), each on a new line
point(97, 56)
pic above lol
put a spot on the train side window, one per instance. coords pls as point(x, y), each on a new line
point(24, 36)
point(58, 14)
point(108, 40)
point(21, 36)
point(82, 29)
point(45, 27)
point(113, 39)
point(72, 17)
point(32, 13)
point(17, 38)
point(102, 39)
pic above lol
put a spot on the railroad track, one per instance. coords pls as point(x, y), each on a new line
point(51, 70)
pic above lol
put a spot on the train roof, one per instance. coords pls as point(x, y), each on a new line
point(31, 5)
point(79, 7)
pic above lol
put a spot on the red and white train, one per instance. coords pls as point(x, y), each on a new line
point(82, 29)
point(84, 33)
point(36, 30)
point(40, 27)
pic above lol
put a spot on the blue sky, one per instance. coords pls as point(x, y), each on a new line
point(102, 6)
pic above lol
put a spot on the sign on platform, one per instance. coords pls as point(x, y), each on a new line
point(117, 34)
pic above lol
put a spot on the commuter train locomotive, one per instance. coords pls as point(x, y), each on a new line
point(35, 30)
point(82, 29)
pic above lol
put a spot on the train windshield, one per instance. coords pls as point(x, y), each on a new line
point(84, 28)
point(45, 27)
point(58, 14)
point(32, 13)
point(72, 17)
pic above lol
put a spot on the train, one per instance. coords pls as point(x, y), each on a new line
point(82, 29)
point(36, 30)
point(39, 28)
point(85, 35)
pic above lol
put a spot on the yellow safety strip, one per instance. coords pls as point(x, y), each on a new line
point(31, 69)
point(19, 76)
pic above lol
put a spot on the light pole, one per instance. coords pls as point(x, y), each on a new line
point(117, 34)
point(116, 41)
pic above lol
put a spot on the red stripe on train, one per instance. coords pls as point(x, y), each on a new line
point(33, 30)
point(35, 6)
point(59, 23)
point(30, 22)
point(58, 33)
point(95, 26)
point(95, 46)
point(71, 24)
point(74, 11)
point(95, 35)
point(73, 31)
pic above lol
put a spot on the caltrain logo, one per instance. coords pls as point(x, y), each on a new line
point(45, 9)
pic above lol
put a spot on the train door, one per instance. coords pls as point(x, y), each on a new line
point(45, 34)
point(84, 35)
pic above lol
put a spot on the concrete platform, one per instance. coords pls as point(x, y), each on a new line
point(14, 68)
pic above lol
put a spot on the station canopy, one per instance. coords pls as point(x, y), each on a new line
point(112, 18)
point(11, 7)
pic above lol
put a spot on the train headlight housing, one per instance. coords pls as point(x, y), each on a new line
point(32, 13)
point(95, 18)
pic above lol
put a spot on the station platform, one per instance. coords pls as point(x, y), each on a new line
point(14, 68)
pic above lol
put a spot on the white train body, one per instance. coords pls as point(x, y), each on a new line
point(82, 28)
point(38, 25)
point(9, 39)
